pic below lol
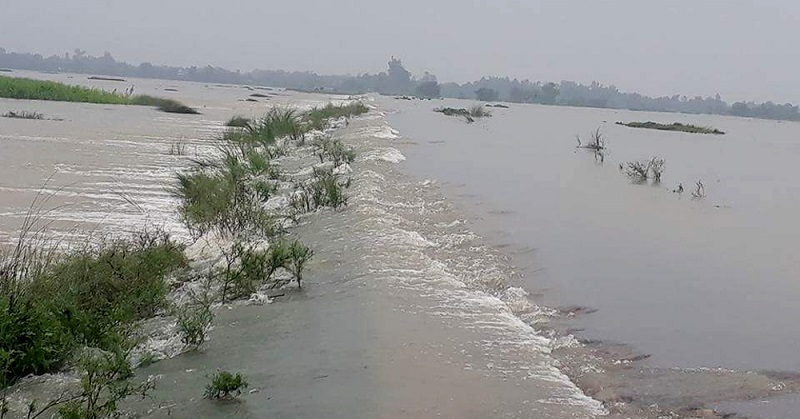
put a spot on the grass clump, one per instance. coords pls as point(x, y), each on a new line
point(164, 105)
point(23, 115)
point(675, 126)
point(477, 111)
point(334, 151)
point(319, 118)
point(324, 189)
point(597, 141)
point(238, 122)
point(225, 385)
point(223, 200)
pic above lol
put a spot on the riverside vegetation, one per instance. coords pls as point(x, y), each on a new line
point(30, 89)
point(82, 309)
point(675, 126)
point(477, 111)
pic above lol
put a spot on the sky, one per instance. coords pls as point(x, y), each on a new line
point(739, 49)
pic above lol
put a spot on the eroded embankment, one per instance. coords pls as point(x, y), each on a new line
point(405, 313)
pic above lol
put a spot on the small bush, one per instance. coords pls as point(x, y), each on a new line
point(300, 254)
point(334, 151)
point(178, 148)
point(222, 200)
point(238, 122)
point(164, 105)
point(478, 111)
point(246, 269)
point(597, 141)
point(643, 170)
point(88, 297)
point(105, 382)
point(225, 385)
point(193, 322)
point(318, 118)
point(278, 123)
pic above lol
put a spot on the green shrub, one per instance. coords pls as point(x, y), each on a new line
point(225, 385)
point(87, 297)
point(300, 254)
point(238, 122)
point(193, 322)
point(223, 200)
point(326, 190)
point(164, 105)
point(318, 118)
point(106, 380)
point(334, 151)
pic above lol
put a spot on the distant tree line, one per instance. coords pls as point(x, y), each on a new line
point(399, 81)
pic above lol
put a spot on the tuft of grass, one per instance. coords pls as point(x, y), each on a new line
point(238, 122)
point(319, 118)
point(325, 189)
point(164, 105)
point(225, 385)
point(675, 126)
point(222, 200)
point(23, 115)
point(334, 151)
point(178, 148)
point(477, 111)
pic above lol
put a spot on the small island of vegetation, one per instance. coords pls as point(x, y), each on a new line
point(30, 89)
point(675, 126)
point(476, 111)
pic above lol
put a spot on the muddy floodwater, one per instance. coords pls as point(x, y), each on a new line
point(479, 270)
point(693, 283)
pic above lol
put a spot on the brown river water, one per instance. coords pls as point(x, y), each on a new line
point(471, 261)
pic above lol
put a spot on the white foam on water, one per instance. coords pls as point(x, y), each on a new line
point(445, 263)
point(387, 154)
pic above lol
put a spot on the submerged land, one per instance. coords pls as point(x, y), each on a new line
point(80, 311)
point(675, 126)
point(30, 89)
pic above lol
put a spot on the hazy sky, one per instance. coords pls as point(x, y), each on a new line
point(740, 49)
